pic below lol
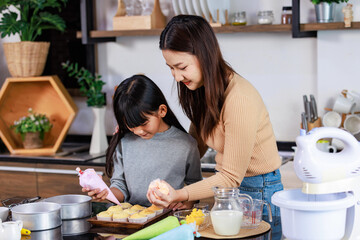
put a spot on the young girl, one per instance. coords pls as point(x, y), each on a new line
point(150, 143)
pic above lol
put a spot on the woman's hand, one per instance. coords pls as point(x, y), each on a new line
point(165, 200)
point(96, 193)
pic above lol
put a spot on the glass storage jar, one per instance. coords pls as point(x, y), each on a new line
point(286, 15)
point(265, 17)
point(239, 18)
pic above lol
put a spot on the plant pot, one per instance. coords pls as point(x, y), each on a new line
point(32, 140)
point(26, 59)
point(325, 12)
point(99, 143)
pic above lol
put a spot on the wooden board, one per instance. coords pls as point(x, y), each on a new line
point(262, 228)
point(128, 225)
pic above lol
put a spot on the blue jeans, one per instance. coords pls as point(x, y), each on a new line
point(263, 187)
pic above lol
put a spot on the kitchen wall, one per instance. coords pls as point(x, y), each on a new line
point(282, 68)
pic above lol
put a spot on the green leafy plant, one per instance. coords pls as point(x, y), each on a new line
point(29, 18)
point(90, 85)
point(328, 1)
point(33, 122)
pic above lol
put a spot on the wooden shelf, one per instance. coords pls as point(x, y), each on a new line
point(231, 29)
point(327, 26)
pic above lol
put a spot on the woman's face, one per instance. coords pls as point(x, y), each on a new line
point(185, 68)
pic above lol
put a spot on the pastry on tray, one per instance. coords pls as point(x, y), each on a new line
point(120, 216)
point(137, 207)
point(149, 213)
point(156, 209)
point(126, 205)
point(104, 216)
point(116, 208)
point(137, 218)
point(131, 211)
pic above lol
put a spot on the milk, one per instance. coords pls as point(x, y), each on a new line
point(226, 222)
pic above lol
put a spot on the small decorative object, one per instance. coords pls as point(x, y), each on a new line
point(91, 87)
point(325, 9)
point(348, 15)
point(239, 19)
point(28, 19)
point(32, 129)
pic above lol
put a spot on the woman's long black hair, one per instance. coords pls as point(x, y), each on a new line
point(194, 35)
point(134, 98)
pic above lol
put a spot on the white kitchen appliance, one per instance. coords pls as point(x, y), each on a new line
point(330, 193)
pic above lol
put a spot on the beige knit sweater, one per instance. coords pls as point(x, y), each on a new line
point(244, 140)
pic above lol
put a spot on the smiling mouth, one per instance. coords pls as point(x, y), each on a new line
point(187, 83)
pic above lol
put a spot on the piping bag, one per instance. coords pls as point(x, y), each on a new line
point(89, 179)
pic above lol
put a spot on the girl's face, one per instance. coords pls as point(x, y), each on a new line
point(153, 125)
point(185, 68)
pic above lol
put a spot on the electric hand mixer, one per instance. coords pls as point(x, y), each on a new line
point(331, 182)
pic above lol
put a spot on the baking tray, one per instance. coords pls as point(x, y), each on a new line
point(128, 225)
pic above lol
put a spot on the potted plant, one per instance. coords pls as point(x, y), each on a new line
point(32, 129)
point(28, 19)
point(325, 9)
point(91, 87)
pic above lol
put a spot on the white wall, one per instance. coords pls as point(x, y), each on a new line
point(280, 67)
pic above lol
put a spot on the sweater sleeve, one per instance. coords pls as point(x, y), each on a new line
point(118, 178)
point(240, 116)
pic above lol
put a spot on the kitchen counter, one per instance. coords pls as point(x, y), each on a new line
point(99, 234)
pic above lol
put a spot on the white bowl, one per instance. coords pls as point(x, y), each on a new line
point(4, 212)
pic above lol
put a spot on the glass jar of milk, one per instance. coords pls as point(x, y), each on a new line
point(227, 213)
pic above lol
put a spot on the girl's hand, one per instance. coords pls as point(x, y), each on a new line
point(164, 200)
point(96, 193)
point(181, 205)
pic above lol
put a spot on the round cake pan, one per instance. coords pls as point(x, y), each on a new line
point(73, 206)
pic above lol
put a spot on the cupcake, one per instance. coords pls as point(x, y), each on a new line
point(137, 207)
point(104, 216)
point(130, 211)
point(126, 205)
point(137, 218)
point(156, 209)
point(148, 213)
point(120, 216)
point(116, 208)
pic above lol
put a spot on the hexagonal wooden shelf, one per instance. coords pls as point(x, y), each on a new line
point(45, 95)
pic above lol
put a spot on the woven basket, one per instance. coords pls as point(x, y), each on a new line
point(26, 59)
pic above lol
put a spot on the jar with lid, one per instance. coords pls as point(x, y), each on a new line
point(265, 17)
point(286, 15)
point(239, 18)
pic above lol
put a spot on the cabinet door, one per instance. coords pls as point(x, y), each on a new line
point(17, 179)
point(54, 179)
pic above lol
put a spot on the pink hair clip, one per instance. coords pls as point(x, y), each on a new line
point(116, 130)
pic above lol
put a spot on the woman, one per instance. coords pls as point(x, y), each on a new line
point(226, 113)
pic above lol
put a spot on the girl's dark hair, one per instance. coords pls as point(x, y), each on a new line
point(133, 98)
point(194, 35)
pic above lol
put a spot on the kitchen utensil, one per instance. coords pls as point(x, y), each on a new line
point(10, 230)
point(201, 221)
point(73, 206)
point(205, 9)
point(343, 104)
point(326, 208)
point(14, 201)
point(304, 122)
point(227, 212)
point(53, 234)
point(175, 4)
point(253, 212)
point(25, 232)
point(324, 145)
point(4, 213)
point(352, 124)
point(189, 7)
point(38, 216)
point(197, 7)
point(308, 112)
point(89, 179)
point(313, 108)
point(75, 227)
point(354, 97)
point(331, 119)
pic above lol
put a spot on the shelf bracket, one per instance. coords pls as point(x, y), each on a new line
point(296, 33)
